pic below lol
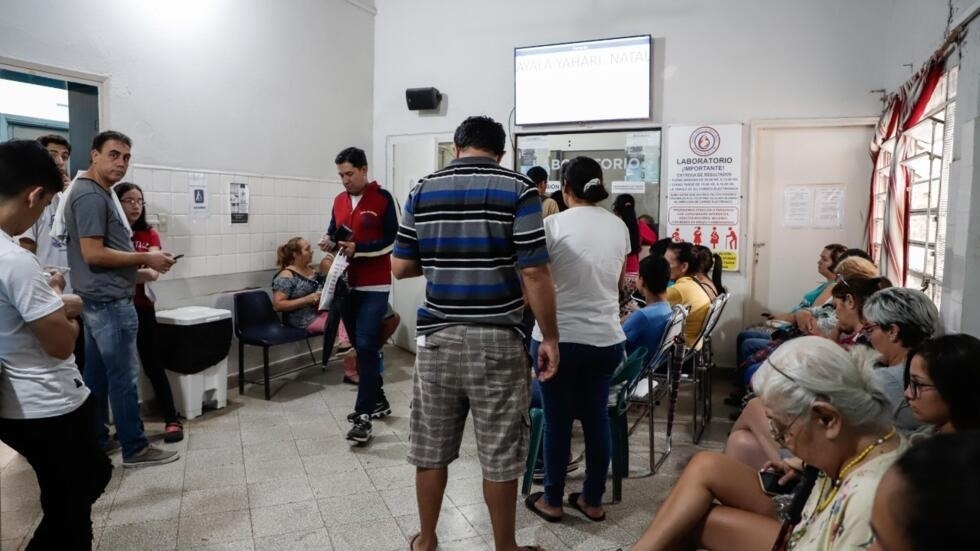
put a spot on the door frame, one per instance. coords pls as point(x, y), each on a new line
point(100, 82)
point(756, 127)
point(394, 139)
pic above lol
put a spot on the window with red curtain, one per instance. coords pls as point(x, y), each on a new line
point(911, 151)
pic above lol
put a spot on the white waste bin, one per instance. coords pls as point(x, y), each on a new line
point(194, 344)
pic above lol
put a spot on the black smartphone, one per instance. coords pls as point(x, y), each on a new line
point(769, 480)
point(342, 233)
point(178, 257)
point(767, 315)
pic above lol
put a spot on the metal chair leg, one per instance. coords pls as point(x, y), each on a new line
point(241, 368)
point(265, 370)
point(309, 347)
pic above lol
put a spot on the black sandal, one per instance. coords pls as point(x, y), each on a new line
point(573, 501)
point(530, 501)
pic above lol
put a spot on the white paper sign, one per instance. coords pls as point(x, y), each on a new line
point(197, 195)
point(535, 142)
point(704, 188)
point(553, 186)
point(238, 201)
point(828, 207)
point(643, 139)
point(797, 201)
point(629, 187)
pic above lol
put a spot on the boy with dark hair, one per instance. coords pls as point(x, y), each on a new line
point(645, 327)
point(539, 176)
point(53, 253)
point(46, 413)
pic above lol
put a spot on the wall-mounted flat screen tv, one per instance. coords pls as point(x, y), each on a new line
point(597, 80)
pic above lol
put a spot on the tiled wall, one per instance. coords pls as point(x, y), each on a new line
point(280, 208)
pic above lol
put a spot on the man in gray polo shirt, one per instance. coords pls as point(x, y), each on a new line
point(100, 254)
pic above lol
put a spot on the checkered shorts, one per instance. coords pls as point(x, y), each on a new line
point(474, 368)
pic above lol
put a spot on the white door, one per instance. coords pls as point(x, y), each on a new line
point(813, 156)
point(410, 158)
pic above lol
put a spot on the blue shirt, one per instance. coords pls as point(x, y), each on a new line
point(472, 226)
point(646, 326)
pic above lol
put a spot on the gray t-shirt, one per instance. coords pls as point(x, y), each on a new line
point(892, 381)
point(91, 213)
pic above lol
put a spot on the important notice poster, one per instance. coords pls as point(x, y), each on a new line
point(704, 188)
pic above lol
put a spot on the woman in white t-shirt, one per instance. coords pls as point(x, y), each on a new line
point(587, 245)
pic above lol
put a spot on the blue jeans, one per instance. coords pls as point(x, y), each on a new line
point(363, 313)
point(580, 390)
point(112, 370)
point(746, 336)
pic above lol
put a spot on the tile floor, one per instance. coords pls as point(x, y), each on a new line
point(279, 475)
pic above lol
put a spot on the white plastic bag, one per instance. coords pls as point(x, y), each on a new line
point(336, 271)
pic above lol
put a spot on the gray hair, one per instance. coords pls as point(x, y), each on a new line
point(912, 311)
point(806, 369)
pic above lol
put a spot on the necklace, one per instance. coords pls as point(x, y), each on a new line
point(848, 467)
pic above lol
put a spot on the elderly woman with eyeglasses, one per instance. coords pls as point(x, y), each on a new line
point(749, 440)
point(824, 404)
point(897, 320)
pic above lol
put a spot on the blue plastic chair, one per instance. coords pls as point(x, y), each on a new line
point(257, 324)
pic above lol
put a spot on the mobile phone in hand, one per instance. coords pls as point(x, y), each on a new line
point(769, 480)
point(178, 257)
point(342, 233)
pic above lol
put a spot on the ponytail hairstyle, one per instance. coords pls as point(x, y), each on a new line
point(860, 289)
point(836, 251)
point(583, 179)
point(710, 265)
point(625, 207)
point(686, 252)
point(287, 252)
point(122, 189)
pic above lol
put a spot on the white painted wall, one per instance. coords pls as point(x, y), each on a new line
point(247, 90)
point(246, 85)
point(714, 61)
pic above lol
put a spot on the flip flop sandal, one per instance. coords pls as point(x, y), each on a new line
point(573, 501)
point(530, 501)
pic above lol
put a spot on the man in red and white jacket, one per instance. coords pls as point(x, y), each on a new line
point(369, 212)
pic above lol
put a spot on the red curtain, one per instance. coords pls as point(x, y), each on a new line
point(903, 111)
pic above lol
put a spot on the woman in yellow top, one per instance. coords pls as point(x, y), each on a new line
point(691, 287)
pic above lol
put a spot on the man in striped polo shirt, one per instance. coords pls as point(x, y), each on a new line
point(474, 231)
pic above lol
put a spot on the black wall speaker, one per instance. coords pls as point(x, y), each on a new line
point(420, 99)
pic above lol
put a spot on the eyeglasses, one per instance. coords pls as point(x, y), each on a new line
point(915, 386)
point(134, 202)
point(869, 328)
point(779, 435)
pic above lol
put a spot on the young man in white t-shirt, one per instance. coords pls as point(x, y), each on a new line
point(51, 252)
point(46, 413)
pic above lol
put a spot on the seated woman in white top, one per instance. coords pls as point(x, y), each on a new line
point(588, 246)
point(825, 406)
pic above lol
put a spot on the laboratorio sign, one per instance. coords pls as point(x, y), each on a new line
point(705, 160)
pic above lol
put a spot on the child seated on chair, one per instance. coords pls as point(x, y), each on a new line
point(296, 288)
point(645, 327)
